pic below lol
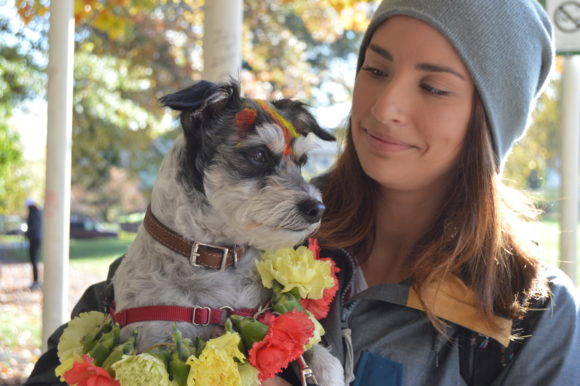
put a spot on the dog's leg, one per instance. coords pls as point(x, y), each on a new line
point(326, 367)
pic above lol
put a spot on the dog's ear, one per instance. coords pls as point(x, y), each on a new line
point(203, 96)
point(200, 105)
point(297, 113)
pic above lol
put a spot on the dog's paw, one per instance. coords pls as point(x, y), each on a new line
point(326, 367)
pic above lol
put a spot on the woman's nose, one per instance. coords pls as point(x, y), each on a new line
point(391, 103)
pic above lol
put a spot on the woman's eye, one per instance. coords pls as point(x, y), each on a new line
point(374, 71)
point(434, 91)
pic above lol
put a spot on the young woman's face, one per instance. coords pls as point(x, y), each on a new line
point(411, 107)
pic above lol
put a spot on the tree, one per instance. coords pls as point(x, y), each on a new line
point(12, 190)
point(110, 129)
point(290, 44)
point(536, 155)
point(129, 53)
point(120, 195)
point(20, 79)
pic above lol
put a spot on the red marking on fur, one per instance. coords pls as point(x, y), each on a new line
point(288, 140)
point(245, 120)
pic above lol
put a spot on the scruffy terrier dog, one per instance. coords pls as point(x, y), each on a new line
point(229, 188)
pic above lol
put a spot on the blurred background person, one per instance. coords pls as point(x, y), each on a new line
point(34, 236)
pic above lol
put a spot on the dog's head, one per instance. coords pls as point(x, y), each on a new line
point(244, 156)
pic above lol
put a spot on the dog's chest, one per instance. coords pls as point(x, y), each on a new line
point(174, 281)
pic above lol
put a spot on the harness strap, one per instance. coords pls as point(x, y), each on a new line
point(201, 316)
point(348, 355)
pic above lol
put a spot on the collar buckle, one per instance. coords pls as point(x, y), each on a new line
point(201, 311)
point(224, 258)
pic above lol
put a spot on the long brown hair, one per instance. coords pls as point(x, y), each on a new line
point(473, 236)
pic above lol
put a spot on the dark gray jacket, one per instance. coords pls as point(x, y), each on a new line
point(34, 223)
point(381, 324)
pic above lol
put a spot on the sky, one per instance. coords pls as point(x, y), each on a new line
point(30, 123)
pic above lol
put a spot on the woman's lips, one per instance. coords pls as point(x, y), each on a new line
point(385, 144)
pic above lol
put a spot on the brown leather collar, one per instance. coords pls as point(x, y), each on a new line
point(199, 254)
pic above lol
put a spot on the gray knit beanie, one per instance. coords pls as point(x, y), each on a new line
point(505, 44)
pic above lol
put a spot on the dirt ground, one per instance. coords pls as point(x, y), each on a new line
point(16, 299)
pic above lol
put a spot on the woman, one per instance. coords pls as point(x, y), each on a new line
point(439, 286)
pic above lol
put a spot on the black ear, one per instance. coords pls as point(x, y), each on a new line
point(201, 106)
point(297, 113)
point(202, 95)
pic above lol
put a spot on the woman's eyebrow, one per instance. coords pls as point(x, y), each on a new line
point(421, 66)
point(436, 68)
point(381, 51)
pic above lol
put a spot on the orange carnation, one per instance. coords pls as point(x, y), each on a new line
point(86, 374)
point(284, 342)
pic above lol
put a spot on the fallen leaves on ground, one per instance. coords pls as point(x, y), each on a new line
point(21, 317)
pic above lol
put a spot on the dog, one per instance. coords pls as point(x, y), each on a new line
point(231, 186)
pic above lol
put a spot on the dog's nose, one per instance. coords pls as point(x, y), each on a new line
point(312, 210)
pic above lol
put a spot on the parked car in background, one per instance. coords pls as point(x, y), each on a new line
point(130, 222)
point(12, 225)
point(86, 228)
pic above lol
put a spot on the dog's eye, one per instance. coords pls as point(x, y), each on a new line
point(258, 156)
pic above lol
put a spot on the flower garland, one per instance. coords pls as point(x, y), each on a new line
point(251, 350)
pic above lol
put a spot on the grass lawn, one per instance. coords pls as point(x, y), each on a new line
point(83, 253)
point(97, 254)
point(547, 233)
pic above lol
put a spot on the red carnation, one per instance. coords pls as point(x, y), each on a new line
point(320, 307)
point(86, 374)
point(284, 342)
point(314, 247)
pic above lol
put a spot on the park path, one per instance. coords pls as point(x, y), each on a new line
point(25, 310)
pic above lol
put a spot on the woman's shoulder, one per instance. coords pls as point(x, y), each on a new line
point(553, 345)
point(563, 292)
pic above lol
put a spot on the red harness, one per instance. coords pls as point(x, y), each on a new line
point(199, 316)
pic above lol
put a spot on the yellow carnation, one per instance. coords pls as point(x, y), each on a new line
point(70, 346)
point(249, 375)
point(142, 369)
point(216, 365)
point(64, 367)
point(318, 332)
point(296, 268)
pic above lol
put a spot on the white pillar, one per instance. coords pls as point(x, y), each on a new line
point(58, 165)
point(570, 168)
point(222, 39)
